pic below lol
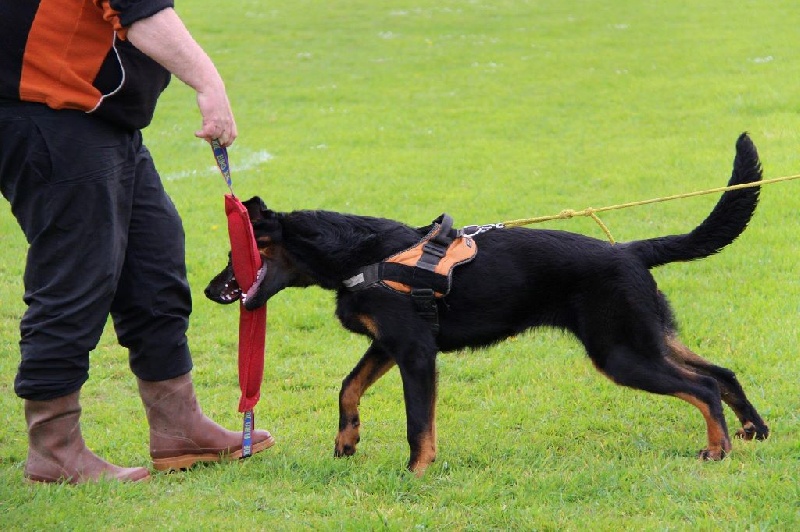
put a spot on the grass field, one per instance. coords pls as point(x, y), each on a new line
point(489, 110)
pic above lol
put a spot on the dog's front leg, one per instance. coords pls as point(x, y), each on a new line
point(372, 366)
point(418, 371)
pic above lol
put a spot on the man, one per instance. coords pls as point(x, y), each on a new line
point(79, 79)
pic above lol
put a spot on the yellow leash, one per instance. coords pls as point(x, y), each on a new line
point(592, 212)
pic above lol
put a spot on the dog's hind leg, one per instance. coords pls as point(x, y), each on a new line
point(753, 426)
point(658, 375)
point(372, 366)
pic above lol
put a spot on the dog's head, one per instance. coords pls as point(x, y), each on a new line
point(277, 270)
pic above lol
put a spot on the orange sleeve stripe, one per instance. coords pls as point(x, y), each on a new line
point(60, 63)
point(112, 16)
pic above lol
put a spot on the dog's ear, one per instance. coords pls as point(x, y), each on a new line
point(257, 209)
point(264, 220)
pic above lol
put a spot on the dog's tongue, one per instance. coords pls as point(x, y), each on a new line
point(249, 300)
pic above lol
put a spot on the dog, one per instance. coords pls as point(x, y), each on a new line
point(520, 278)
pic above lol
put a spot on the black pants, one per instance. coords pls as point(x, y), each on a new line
point(104, 238)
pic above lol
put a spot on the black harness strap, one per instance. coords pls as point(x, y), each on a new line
point(424, 299)
point(373, 274)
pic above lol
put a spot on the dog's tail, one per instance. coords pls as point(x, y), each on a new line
point(725, 223)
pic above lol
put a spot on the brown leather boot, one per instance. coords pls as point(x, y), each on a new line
point(56, 450)
point(181, 435)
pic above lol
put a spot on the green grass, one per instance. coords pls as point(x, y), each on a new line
point(489, 110)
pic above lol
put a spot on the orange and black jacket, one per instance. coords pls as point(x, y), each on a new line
point(73, 55)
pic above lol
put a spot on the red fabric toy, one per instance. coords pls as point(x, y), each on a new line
point(252, 324)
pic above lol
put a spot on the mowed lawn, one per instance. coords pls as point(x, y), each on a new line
point(488, 110)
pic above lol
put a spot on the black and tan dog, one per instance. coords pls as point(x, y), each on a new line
point(520, 278)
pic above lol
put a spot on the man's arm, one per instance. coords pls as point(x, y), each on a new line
point(165, 39)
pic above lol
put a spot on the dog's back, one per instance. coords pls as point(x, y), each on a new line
point(523, 278)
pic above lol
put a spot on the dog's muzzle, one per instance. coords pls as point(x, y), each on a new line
point(224, 289)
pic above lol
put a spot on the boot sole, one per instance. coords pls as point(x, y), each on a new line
point(185, 461)
point(38, 479)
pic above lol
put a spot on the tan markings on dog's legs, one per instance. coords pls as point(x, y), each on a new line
point(426, 454)
point(753, 426)
point(366, 373)
point(682, 353)
point(349, 426)
point(749, 431)
point(718, 443)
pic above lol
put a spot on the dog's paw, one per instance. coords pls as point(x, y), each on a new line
point(750, 431)
point(420, 465)
point(711, 455)
point(343, 450)
point(345, 445)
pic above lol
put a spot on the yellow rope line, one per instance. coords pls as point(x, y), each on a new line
point(592, 212)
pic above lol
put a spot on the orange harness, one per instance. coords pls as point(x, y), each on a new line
point(424, 271)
